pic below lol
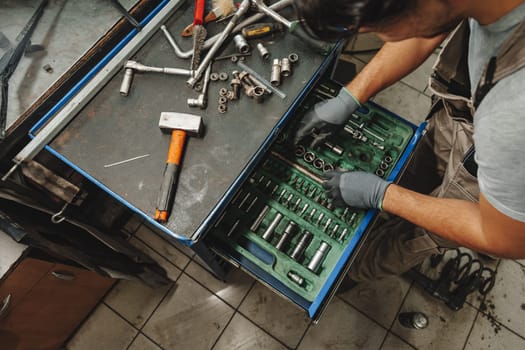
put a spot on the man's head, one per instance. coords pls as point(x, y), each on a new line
point(392, 20)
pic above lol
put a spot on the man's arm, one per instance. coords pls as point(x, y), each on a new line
point(480, 227)
point(394, 61)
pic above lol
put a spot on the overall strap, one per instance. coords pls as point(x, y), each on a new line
point(510, 58)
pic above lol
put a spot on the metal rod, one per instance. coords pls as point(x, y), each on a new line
point(126, 161)
point(259, 77)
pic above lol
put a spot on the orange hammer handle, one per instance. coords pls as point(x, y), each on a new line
point(178, 138)
point(169, 179)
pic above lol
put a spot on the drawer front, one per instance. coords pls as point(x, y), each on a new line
point(53, 307)
point(20, 281)
point(281, 227)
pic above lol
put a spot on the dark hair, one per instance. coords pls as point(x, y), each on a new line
point(334, 19)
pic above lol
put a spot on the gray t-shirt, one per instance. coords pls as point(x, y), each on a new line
point(499, 122)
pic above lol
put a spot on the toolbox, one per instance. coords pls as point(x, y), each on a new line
point(245, 193)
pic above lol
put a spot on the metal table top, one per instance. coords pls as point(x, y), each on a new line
point(113, 128)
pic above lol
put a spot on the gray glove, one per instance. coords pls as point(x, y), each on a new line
point(355, 188)
point(327, 117)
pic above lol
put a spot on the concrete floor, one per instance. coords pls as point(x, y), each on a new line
point(200, 312)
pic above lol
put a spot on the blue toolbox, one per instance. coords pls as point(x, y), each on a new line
point(244, 194)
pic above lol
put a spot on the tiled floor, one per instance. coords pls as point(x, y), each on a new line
point(201, 312)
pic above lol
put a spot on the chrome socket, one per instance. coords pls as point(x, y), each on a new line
point(301, 246)
point(268, 233)
point(289, 232)
point(318, 163)
point(241, 44)
point(319, 257)
point(275, 76)
point(286, 67)
point(300, 151)
point(259, 218)
point(263, 51)
point(296, 278)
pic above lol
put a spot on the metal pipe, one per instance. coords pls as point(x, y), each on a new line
point(268, 233)
point(319, 256)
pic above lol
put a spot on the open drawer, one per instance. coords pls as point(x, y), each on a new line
point(281, 228)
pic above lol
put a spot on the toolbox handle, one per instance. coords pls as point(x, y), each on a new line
point(5, 305)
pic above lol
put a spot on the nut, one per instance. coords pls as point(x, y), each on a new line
point(222, 108)
point(293, 57)
point(230, 95)
point(223, 100)
point(223, 91)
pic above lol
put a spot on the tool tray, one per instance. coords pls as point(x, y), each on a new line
point(286, 188)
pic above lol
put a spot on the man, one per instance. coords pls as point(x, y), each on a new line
point(479, 99)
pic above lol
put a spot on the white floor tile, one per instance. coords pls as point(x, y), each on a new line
point(163, 247)
point(380, 300)
point(103, 330)
point(393, 342)
point(233, 290)
point(418, 79)
point(506, 302)
point(190, 317)
point(143, 343)
point(135, 301)
point(488, 334)
point(274, 314)
point(172, 272)
point(446, 329)
point(241, 334)
point(343, 327)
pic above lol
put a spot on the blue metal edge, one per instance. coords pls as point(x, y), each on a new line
point(262, 151)
point(316, 304)
point(72, 92)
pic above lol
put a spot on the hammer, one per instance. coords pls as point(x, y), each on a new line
point(179, 124)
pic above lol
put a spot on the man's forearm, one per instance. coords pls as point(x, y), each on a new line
point(453, 219)
point(394, 61)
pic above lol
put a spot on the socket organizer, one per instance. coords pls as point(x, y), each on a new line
point(281, 226)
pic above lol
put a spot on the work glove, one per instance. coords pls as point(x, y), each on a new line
point(327, 117)
point(355, 188)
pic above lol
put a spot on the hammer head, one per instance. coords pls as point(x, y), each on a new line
point(190, 123)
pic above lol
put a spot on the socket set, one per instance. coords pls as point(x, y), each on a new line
point(282, 224)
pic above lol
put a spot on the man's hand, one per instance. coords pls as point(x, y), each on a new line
point(327, 117)
point(355, 188)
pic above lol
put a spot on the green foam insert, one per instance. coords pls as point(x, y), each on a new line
point(273, 176)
